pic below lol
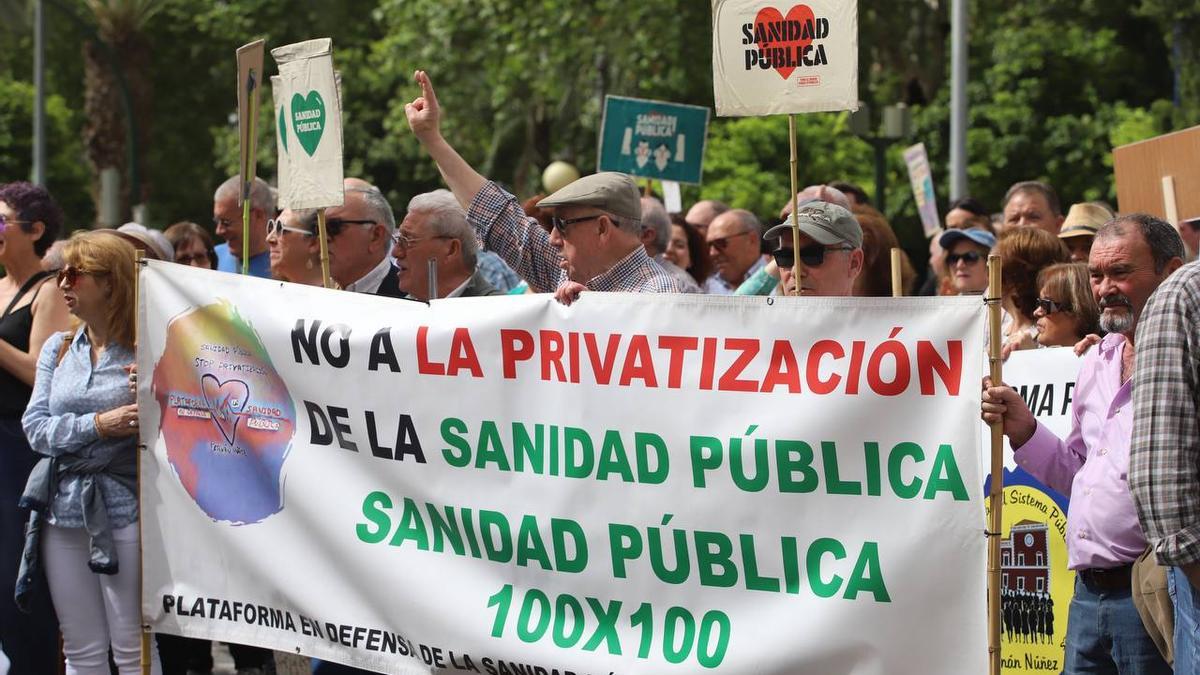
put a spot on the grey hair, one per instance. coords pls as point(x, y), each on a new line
point(1035, 187)
point(377, 205)
point(307, 219)
point(262, 196)
point(1162, 237)
point(654, 217)
point(448, 219)
point(748, 221)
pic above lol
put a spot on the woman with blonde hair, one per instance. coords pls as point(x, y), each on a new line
point(83, 420)
point(1066, 309)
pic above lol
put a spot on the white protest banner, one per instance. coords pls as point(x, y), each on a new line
point(308, 122)
point(1036, 586)
point(921, 179)
point(771, 58)
point(508, 485)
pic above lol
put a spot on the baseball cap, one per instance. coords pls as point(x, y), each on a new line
point(826, 223)
point(1084, 220)
point(608, 191)
point(982, 237)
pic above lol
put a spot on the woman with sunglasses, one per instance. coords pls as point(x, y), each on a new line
point(83, 420)
point(1066, 309)
point(966, 259)
point(32, 312)
point(293, 247)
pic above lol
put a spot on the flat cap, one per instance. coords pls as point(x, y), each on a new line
point(608, 191)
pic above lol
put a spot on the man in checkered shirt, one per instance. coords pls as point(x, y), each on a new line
point(1164, 461)
point(595, 243)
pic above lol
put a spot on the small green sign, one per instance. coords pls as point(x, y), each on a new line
point(308, 120)
point(283, 128)
point(653, 139)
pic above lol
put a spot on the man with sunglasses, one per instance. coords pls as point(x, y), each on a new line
point(227, 217)
point(735, 250)
point(594, 244)
point(1130, 257)
point(830, 251)
point(360, 239)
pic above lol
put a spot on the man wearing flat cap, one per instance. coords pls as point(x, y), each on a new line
point(830, 250)
point(595, 243)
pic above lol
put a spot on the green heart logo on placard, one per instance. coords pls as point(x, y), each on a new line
point(308, 120)
point(283, 129)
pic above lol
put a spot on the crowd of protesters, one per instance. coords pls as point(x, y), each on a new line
point(1088, 280)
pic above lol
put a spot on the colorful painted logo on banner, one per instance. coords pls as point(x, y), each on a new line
point(226, 417)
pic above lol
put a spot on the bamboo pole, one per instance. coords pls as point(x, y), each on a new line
point(323, 236)
point(797, 266)
point(248, 172)
point(897, 280)
point(139, 262)
point(995, 489)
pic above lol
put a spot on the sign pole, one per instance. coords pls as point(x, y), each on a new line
point(995, 489)
point(897, 282)
point(797, 266)
point(250, 68)
point(323, 235)
point(139, 262)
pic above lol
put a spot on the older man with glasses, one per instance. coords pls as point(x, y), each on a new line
point(595, 243)
point(830, 251)
point(227, 218)
point(734, 249)
point(360, 237)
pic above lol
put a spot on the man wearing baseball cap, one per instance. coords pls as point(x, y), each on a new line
point(595, 243)
point(830, 250)
point(1080, 227)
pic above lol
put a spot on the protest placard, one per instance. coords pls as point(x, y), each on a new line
point(771, 58)
point(653, 139)
point(1036, 585)
point(250, 82)
point(308, 122)
point(507, 484)
point(921, 179)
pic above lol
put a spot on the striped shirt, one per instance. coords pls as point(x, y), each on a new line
point(1164, 463)
point(503, 227)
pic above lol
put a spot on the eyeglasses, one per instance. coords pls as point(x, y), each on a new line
point(812, 255)
point(276, 227)
point(970, 257)
point(5, 222)
point(69, 276)
point(334, 226)
point(405, 240)
point(723, 242)
point(1049, 306)
point(189, 258)
point(561, 224)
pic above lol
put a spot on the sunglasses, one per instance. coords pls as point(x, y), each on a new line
point(561, 224)
point(5, 222)
point(69, 276)
point(723, 243)
point(970, 257)
point(334, 226)
point(276, 227)
point(812, 255)
point(1050, 307)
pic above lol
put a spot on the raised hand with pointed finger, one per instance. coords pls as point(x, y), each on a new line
point(424, 114)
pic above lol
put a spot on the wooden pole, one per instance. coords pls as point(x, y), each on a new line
point(323, 235)
point(648, 191)
point(139, 262)
point(248, 172)
point(897, 280)
point(797, 266)
point(996, 488)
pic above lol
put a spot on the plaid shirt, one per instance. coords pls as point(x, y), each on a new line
point(1164, 463)
point(504, 228)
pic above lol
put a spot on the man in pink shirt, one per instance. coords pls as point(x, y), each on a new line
point(1131, 256)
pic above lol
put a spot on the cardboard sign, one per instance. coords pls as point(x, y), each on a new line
point(922, 187)
point(771, 58)
point(653, 139)
point(250, 81)
point(1141, 167)
point(308, 122)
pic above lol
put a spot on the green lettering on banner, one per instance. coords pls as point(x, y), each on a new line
point(372, 507)
point(451, 427)
point(713, 559)
point(625, 543)
point(788, 467)
point(818, 549)
point(951, 481)
point(491, 449)
point(411, 527)
point(530, 545)
point(577, 466)
point(896, 459)
point(867, 576)
point(834, 484)
point(646, 441)
point(560, 529)
point(702, 461)
point(613, 459)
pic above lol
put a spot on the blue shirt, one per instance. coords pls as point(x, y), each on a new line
point(260, 265)
point(61, 419)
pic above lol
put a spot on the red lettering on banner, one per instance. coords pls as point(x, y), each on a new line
point(729, 380)
point(602, 366)
point(638, 363)
point(821, 349)
point(677, 345)
point(424, 366)
point(515, 345)
point(462, 354)
point(784, 370)
point(552, 353)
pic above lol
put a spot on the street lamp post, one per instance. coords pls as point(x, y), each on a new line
point(896, 124)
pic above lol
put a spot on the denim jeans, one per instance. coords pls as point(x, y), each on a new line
point(1187, 621)
point(1106, 635)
